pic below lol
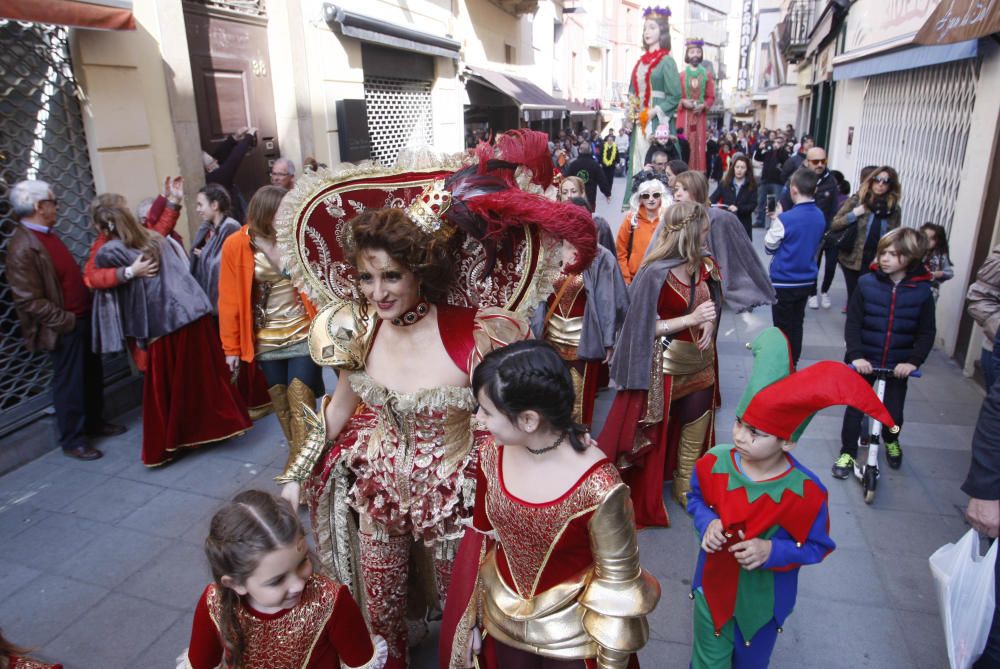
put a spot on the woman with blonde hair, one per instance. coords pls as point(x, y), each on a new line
point(187, 398)
point(662, 417)
point(263, 318)
point(649, 200)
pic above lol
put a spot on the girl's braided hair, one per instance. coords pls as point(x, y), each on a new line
point(241, 534)
point(530, 376)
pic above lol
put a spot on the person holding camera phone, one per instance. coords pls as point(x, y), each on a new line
point(773, 155)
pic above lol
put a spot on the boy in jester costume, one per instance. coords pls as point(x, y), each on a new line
point(761, 514)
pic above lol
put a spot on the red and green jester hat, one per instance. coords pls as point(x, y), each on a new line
point(791, 509)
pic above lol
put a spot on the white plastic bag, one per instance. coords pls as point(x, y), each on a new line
point(965, 592)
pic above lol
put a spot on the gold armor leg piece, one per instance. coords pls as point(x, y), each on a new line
point(385, 570)
point(299, 395)
point(279, 400)
point(689, 449)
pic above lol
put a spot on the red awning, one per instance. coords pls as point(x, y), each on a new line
point(94, 14)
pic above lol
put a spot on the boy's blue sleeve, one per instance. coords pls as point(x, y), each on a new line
point(698, 508)
point(787, 555)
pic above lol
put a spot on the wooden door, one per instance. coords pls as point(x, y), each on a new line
point(230, 66)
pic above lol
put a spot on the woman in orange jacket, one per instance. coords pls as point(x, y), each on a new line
point(264, 319)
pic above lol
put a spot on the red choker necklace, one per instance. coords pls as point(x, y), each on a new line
point(413, 315)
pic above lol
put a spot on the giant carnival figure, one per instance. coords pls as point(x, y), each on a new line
point(697, 97)
point(654, 91)
point(419, 272)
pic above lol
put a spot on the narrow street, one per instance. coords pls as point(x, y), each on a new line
point(102, 562)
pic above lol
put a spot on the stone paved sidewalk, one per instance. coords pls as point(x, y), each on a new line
point(101, 563)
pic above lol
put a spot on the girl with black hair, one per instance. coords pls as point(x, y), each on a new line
point(552, 534)
point(938, 259)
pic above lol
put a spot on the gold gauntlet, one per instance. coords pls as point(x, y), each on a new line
point(313, 447)
point(621, 592)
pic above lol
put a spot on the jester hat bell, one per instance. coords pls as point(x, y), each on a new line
point(781, 401)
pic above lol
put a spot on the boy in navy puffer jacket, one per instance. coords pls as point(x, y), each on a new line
point(890, 324)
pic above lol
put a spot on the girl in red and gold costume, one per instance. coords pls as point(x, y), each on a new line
point(581, 319)
point(267, 609)
point(13, 657)
point(389, 467)
point(548, 574)
point(665, 366)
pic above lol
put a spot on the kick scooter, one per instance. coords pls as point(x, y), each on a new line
point(868, 473)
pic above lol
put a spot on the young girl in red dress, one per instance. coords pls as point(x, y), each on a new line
point(266, 608)
point(12, 657)
point(552, 533)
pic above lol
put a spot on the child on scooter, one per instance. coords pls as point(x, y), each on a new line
point(890, 325)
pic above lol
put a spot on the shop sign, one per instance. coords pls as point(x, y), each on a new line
point(746, 43)
point(878, 25)
point(960, 20)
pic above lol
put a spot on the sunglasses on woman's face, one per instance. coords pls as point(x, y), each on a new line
point(883, 180)
point(647, 196)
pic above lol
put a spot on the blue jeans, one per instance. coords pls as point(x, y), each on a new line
point(990, 362)
point(763, 190)
point(281, 372)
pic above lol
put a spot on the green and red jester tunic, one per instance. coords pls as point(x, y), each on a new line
point(790, 510)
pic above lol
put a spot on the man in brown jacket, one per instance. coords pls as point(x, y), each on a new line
point(984, 307)
point(54, 308)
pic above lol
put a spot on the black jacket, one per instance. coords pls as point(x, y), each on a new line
point(589, 170)
point(826, 197)
point(745, 200)
point(792, 164)
point(773, 159)
point(983, 481)
point(669, 148)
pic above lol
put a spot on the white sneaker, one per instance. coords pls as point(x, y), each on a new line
point(813, 302)
point(824, 300)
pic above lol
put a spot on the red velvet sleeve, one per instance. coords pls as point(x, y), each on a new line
point(154, 212)
point(166, 217)
point(205, 651)
point(348, 632)
point(99, 278)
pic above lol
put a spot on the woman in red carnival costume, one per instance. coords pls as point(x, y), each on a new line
point(662, 418)
point(392, 452)
point(13, 657)
point(187, 398)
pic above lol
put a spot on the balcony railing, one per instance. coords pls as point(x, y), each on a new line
point(795, 29)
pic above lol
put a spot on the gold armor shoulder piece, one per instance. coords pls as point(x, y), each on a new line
point(621, 592)
point(341, 335)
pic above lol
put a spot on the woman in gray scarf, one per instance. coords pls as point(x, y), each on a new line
point(206, 259)
point(187, 398)
point(665, 366)
point(206, 249)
